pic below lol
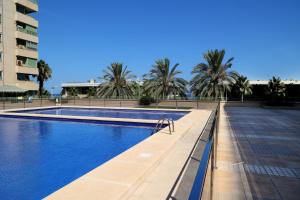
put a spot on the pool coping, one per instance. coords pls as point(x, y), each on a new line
point(139, 170)
point(96, 107)
point(13, 112)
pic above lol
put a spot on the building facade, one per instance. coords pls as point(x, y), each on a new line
point(18, 44)
point(81, 88)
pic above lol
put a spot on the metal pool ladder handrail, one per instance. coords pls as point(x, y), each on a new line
point(160, 123)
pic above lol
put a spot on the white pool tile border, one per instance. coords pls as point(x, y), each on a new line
point(12, 112)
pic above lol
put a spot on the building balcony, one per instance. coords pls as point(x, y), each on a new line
point(31, 4)
point(27, 70)
point(25, 52)
point(26, 19)
point(30, 32)
point(26, 62)
point(25, 36)
point(34, 1)
point(27, 85)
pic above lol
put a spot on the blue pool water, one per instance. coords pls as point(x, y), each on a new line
point(37, 157)
point(114, 113)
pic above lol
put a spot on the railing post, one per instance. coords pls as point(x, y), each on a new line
point(218, 119)
point(176, 103)
point(41, 103)
point(197, 103)
point(213, 157)
point(212, 169)
point(3, 103)
point(89, 102)
point(104, 102)
point(24, 103)
point(217, 132)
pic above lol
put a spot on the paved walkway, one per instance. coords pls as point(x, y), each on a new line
point(258, 155)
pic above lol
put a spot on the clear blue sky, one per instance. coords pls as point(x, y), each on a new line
point(80, 38)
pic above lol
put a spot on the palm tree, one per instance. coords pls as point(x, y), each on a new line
point(45, 73)
point(275, 88)
point(162, 80)
point(117, 82)
point(212, 79)
point(244, 86)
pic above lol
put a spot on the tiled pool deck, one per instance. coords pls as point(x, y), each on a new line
point(258, 154)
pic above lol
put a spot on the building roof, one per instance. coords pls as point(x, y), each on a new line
point(11, 89)
point(90, 83)
point(265, 82)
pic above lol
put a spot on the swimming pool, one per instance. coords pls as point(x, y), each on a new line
point(112, 113)
point(40, 156)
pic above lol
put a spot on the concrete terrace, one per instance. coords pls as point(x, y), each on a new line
point(258, 154)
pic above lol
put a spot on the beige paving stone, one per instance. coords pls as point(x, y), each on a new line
point(92, 189)
point(229, 179)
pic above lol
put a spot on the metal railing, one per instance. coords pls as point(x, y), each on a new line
point(195, 181)
point(161, 123)
point(26, 31)
point(27, 102)
point(18, 103)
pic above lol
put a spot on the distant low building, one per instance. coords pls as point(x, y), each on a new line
point(81, 88)
point(258, 88)
point(265, 82)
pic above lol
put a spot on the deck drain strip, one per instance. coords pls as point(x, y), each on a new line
point(268, 149)
point(265, 137)
point(260, 169)
point(272, 170)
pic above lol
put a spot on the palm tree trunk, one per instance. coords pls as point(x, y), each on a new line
point(41, 86)
point(242, 98)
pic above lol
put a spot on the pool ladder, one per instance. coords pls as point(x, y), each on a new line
point(161, 122)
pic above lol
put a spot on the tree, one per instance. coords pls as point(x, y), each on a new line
point(45, 73)
point(116, 82)
point(91, 92)
point(213, 78)
point(162, 80)
point(244, 86)
point(275, 88)
point(73, 92)
point(45, 93)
